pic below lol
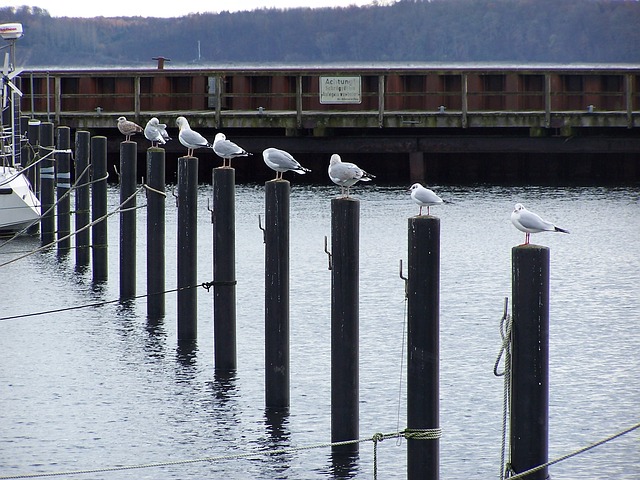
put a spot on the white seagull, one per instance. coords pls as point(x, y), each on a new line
point(227, 149)
point(528, 222)
point(128, 128)
point(190, 138)
point(156, 132)
point(346, 174)
point(424, 197)
point(282, 161)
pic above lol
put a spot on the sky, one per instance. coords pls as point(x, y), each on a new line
point(168, 8)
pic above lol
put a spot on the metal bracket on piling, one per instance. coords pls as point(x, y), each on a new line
point(264, 231)
point(173, 192)
point(210, 209)
point(326, 250)
point(406, 281)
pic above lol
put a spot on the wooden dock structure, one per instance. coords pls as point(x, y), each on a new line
point(420, 113)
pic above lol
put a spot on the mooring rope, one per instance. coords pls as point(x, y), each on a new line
point(376, 438)
point(118, 209)
point(505, 333)
point(576, 452)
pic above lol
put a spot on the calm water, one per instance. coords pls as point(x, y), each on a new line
point(101, 387)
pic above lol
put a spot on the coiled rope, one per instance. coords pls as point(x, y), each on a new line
point(505, 349)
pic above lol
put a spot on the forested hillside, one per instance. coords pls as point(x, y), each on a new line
point(557, 31)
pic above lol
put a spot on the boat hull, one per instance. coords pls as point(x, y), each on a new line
point(19, 206)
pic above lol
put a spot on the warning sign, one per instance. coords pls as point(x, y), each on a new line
point(340, 90)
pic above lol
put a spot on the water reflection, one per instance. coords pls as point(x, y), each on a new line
point(344, 464)
point(278, 438)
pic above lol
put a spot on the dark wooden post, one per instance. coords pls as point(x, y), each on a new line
point(224, 269)
point(83, 193)
point(345, 374)
point(99, 208)
point(530, 360)
point(277, 199)
point(47, 182)
point(128, 184)
point(187, 248)
point(423, 382)
point(156, 232)
point(63, 185)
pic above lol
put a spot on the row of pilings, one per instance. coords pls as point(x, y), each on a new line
point(530, 289)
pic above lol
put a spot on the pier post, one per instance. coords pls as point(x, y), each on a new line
point(63, 185)
point(277, 200)
point(345, 247)
point(224, 269)
point(423, 365)
point(99, 208)
point(47, 182)
point(187, 248)
point(128, 184)
point(529, 423)
point(33, 174)
point(83, 192)
point(155, 232)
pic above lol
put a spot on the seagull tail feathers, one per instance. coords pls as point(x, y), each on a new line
point(561, 230)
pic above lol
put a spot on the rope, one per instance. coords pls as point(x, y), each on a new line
point(100, 304)
point(376, 438)
point(505, 333)
point(98, 220)
point(577, 452)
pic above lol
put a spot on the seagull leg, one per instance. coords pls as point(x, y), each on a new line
point(526, 238)
point(420, 210)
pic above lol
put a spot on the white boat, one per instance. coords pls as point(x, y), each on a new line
point(19, 206)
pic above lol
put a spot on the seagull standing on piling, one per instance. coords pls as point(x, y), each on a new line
point(190, 138)
point(528, 222)
point(156, 132)
point(346, 174)
point(281, 161)
point(128, 128)
point(227, 149)
point(424, 197)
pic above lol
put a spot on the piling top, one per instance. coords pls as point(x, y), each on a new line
point(530, 246)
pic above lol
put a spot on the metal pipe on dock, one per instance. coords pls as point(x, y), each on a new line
point(529, 421)
point(47, 182)
point(82, 200)
point(99, 208)
point(345, 375)
point(156, 201)
point(423, 365)
point(187, 248)
point(276, 238)
point(128, 183)
point(63, 185)
point(223, 218)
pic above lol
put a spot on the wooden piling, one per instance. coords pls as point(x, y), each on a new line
point(47, 182)
point(82, 200)
point(63, 185)
point(156, 201)
point(99, 208)
point(33, 174)
point(529, 422)
point(224, 269)
point(277, 200)
point(345, 246)
point(187, 248)
point(128, 184)
point(423, 310)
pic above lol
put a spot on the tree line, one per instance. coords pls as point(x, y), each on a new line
point(449, 31)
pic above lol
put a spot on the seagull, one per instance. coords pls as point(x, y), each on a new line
point(346, 174)
point(282, 161)
point(424, 197)
point(190, 138)
point(528, 222)
point(128, 128)
point(156, 132)
point(227, 149)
